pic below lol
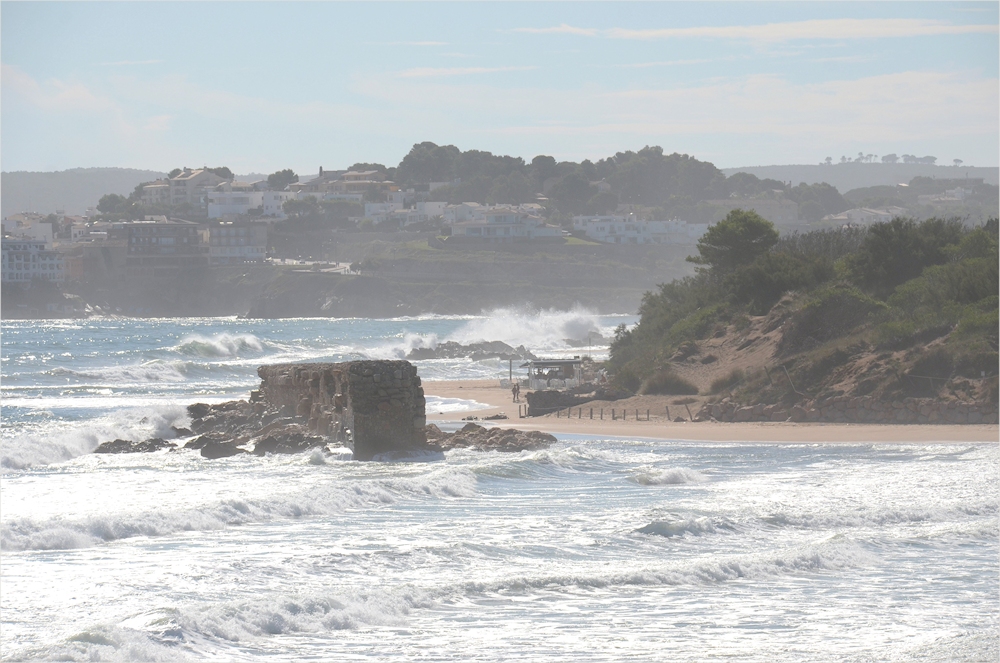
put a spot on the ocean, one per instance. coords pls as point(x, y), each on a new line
point(595, 549)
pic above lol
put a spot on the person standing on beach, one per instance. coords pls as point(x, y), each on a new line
point(516, 391)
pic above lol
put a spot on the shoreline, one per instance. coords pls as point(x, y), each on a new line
point(498, 399)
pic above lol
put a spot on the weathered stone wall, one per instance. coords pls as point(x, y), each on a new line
point(862, 409)
point(370, 406)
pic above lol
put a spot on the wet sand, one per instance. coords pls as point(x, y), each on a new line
point(499, 399)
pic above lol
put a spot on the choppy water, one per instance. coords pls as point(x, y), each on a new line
point(594, 549)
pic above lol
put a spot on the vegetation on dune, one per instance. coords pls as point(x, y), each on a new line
point(914, 302)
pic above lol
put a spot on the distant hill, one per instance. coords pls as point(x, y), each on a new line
point(847, 176)
point(71, 190)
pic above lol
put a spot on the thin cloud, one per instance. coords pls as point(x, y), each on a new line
point(561, 29)
point(425, 72)
point(839, 28)
point(125, 63)
point(417, 43)
point(669, 63)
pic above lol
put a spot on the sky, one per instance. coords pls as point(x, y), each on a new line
point(262, 86)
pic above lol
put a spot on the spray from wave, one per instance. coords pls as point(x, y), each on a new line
point(44, 448)
point(536, 330)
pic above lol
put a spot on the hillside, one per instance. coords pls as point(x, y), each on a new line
point(71, 190)
point(848, 176)
point(903, 312)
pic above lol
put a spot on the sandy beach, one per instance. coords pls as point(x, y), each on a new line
point(498, 399)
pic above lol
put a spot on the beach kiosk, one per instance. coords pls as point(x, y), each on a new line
point(554, 373)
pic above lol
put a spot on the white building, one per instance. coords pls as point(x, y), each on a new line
point(272, 203)
point(866, 215)
point(25, 259)
point(234, 199)
point(193, 186)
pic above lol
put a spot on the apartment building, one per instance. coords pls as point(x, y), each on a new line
point(23, 260)
point(235, 243)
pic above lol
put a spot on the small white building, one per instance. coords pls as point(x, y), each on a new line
point(504, 224)
point(22, 260)
point(866, 215)
point(234, 198)
point(272, 203)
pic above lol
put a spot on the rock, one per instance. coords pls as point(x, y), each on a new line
point(214, 450)
point(200, 442)
point(181, 432)
point(199, 410)
point(290, 443)
point(473, 436)
point(130, 447)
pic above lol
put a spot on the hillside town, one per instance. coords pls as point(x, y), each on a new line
point(197, 219)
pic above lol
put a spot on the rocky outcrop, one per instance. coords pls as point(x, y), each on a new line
point(370, 406)
point(860, 409)
point(474, 436)
point(130, 447)
point(474, 351)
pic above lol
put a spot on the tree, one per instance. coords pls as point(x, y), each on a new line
point(223, 172)
point(512, 189)
point(890, 158)
point(279, 181)
point(374, 194)
point(957, 162)
point(174, 173)
point(735, 241)
point(828, 160)
point(112, 203)
point(929, 160)
point(602, 203)
point(571, 193)
point(362, 167)
point(896, 251)
point(301, 208)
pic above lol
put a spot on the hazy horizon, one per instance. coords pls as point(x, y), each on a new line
point(265, 86)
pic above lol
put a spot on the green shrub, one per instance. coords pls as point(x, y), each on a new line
point(896, 251)
point(728, 381)
point(666, 382)
point(832, 312)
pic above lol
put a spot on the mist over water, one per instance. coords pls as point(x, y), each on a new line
point(593, 549)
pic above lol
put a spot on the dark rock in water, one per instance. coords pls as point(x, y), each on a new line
point(474, 436)
point(181, 432)
point(201, 441)
point(214, 450)
point(199, 410)
point(474, 351)
point(130, 447)
point(288, 443)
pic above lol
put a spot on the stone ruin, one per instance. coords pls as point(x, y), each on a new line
point(370, 406)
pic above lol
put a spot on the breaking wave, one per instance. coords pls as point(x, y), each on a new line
point(220, 345)
point(57, 534)
point(680, 527)
point(673, 476)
